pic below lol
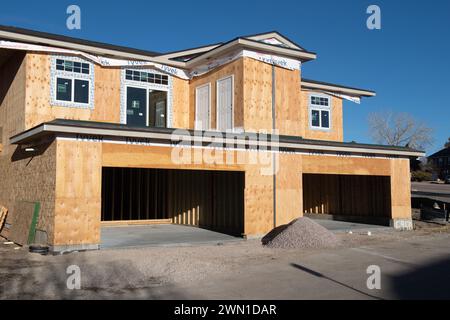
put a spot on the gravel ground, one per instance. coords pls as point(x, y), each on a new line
point(301, 234)
point(139, 273)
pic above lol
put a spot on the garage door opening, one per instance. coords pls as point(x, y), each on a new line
point(354, 198)
point(212, 200)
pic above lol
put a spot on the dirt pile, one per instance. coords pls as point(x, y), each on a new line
point(302, 233)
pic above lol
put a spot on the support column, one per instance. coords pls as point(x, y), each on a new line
point(401, 194)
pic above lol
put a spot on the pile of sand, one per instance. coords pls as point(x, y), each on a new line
point(302, 233)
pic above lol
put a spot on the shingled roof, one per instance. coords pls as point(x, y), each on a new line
point(443, 153)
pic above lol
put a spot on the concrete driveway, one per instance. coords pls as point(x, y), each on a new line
point(343, 226)
point(159, 235)
point(176, 235)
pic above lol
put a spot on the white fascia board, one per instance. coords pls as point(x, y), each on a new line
point(293, 53)
point(276, 36)
point(16, 139)
point(338, 89)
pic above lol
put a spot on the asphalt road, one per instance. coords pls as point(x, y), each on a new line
point(439, 192)
point(416, 269)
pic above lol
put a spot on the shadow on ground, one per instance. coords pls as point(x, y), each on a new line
point(46, 278)
point(275, 232)
point(429, 282)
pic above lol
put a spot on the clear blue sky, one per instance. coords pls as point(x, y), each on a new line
point(407, 62)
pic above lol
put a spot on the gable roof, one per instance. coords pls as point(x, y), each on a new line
point(443, 153)
point(277, 36)
point(255, 45)
point(195, 56)
point(260, 37)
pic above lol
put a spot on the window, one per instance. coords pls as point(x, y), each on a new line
point(72, 81)
point(147, 77)
point(71, 66)
point(225, 104)
point(202, 107)
point(146, 107)
point(63, 89)
point(157, 108)
point(320, 111)
point(146, 98)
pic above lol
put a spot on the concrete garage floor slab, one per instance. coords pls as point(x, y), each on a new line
point(159, 235)
point(343, 226)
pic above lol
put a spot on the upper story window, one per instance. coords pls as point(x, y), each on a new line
point(72, 66)
point(320, 112)
point(72, 82)
point(203, 107)
point(146, 98)
point(225, 103)
point(146, 77)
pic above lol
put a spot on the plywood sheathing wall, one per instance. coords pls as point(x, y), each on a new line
point(289, 117)
point(257, 95)
point(24, 177)
point(234, 68)
point(336, 132)
point(400, 189)
point(78, 193)
point(180, 105)
point(38, 104)
point(289, 202)
point(12, 98)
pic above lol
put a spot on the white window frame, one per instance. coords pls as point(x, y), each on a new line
point(72, 76)
point(82, 104)
point(148, 86)
point(314, 107)
point(147, 96)
point(232, 101)
point(209, 105)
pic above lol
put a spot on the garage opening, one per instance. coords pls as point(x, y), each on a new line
point(212, 200)
point(354, 198)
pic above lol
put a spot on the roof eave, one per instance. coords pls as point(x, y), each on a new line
point(88, 46)
point(56, 127)
point(338, 89)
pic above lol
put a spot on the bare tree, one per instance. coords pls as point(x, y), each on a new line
point(399, 129)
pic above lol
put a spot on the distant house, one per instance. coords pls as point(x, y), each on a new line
point(441, 162)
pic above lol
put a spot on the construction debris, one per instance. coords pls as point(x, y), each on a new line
point(302, 233)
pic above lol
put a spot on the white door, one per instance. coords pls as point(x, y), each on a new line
point(202, 107)
point(225, 104)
